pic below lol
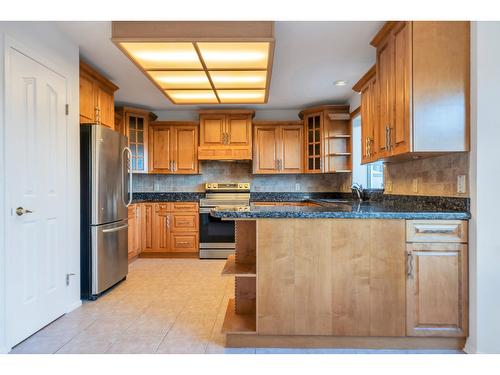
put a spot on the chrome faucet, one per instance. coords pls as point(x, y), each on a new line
point(357, 190)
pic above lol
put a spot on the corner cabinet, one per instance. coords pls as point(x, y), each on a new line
point(96, 97)
point(173, 147)
point(420, 90)
point(327, 133)
point(278, 147)
point(134, 123)
point(225, 135)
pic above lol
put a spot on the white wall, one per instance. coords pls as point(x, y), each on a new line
point(484, 249)
point(260, 114)
point(46, 40)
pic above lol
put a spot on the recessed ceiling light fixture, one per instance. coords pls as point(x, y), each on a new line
point(202, 62)
point(340, 82)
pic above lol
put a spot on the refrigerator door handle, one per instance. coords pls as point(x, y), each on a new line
point(115, 229)
point(129, 152)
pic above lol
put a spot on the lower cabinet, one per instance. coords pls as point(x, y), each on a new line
point(437, 285)
point(168, 227)
point(134, 231)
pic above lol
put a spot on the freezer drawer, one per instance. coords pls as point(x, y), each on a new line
point(109, 255)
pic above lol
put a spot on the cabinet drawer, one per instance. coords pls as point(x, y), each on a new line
point(185, 206)
point(184, 242)
point(162, 208)
point(184, 222)
point(436, 231)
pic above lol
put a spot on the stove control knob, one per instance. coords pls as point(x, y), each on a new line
point(209, 186)
point(240, 186)
point(247, 186)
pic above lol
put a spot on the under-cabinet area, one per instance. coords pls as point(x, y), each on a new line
point(348, 282)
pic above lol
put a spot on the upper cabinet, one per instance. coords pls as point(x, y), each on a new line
point(225, 135)
point(134, 123)
point(278, 147)
point(417, 103)
point(173, 147)
point(96, 97)
point(327, 133)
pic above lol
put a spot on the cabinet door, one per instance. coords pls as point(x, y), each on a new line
point(266, 150)
point(436, 294)
point(160, 150)
point(87, 100)
point(147, 213)
point(106, 107)
point(291, 142)
point(161, 228)
point(137, 132)
point(132, 231)
point(238, 129)
point(212, 129)
point(366, 122)
point(386, 97)
point(400, 130)
point(184, 222)
point(313, 130)
point(185, 149)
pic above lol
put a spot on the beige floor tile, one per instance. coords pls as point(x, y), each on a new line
point(180, 345)
point(40, 345)
point(135, 345)
point(92, 345)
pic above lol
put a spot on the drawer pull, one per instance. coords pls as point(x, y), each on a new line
point(436, 229)
point(183, 243)
point(409, 265)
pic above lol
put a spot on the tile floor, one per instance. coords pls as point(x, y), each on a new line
point(164, 306)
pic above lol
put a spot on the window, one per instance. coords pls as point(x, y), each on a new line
point(370, 176)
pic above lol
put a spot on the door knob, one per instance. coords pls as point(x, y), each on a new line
point(21, 211)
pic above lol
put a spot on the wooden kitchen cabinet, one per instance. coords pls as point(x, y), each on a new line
point(134, 124)
point(367, 87)
point(96, 97)
point(173, 147)
point(327, 133)
point(225, 135)
point(134, 231)
point(437, 282)
point(169, 227)
point(421, 90)
point(278, 147)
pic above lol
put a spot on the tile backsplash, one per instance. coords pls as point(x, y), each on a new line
point(218, 171)
point(436, 176)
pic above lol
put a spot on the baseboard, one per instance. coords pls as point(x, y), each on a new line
point(74, 306)
point(154, 254)
point(261, 341)
point(4, 350)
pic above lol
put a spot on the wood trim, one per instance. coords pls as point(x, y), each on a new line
point(331, 107)
point(277, 122)
point(365, 79)
point(247, 340)
point(188, 30)
point(157, 254)
point(382, 33)
point(355, 113)
point(227, 112)
point(142, 111)
point(173, 123)
point(92, 72)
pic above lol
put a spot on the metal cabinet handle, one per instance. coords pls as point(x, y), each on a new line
point(115, 229)
point(441, 229)
point(175, 166)
point(409, 265)
point(21, 211)
point(280, 164)
point(168, 221)
point(183, 242)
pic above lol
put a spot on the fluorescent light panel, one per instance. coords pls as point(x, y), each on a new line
point(237, 71)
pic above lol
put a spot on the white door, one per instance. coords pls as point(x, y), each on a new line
point(35, 151)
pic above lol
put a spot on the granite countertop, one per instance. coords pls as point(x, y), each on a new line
point(344, 209)
point(166, 197)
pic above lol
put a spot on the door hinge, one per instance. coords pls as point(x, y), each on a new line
point(67, 109)
point(68, 275)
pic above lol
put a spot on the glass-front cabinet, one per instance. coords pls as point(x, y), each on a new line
point(135, 125)
point(313, 146)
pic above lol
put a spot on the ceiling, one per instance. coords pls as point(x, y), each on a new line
point(309, 57)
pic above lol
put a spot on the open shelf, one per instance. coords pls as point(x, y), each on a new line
point(238, 323)
point(231, 268)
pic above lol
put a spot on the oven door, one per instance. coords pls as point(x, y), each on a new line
point(214, 232)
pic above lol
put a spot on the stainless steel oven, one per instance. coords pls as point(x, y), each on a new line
point(217, 239)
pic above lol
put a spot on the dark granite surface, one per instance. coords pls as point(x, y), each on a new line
point(332, 208)
point(295, 197)
point(166, 197)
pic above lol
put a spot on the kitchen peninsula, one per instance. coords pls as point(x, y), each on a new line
point(349, 274)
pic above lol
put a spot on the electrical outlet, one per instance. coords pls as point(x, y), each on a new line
point(461, 184)
point(388, 186)
point(156, 186)
point(297, 187)
point(415, 185)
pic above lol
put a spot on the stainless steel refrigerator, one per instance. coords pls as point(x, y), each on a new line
point(106, 181)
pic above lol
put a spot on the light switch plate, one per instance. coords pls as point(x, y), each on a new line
point(461, 184)
point(297, 187)
point(388, 186)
